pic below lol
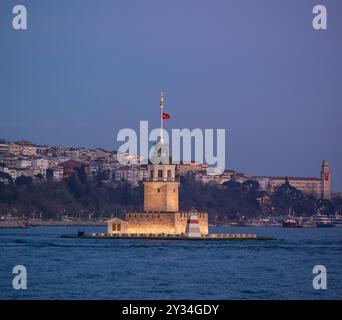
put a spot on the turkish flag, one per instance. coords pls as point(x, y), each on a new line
point(166, 116)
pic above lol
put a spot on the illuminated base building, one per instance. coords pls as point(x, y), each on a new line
point(161, 207)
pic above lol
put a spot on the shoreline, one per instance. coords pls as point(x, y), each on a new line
point(21, 224)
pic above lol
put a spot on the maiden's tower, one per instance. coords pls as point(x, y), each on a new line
point(161, 213)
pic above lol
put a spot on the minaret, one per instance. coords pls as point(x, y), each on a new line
point(325, 177)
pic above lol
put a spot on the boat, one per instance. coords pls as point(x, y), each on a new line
point(309, 224)
point(322, 221)
point(336, 220)
point(325, 224)
point(291, 223)
point(80, 233)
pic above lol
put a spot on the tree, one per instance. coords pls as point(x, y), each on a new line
point(49, 174)
point(99, 179)
point(74, 186)
point(337, 203)
point(4, 176)
point(40, 177)
point(217, 200)
point(231, 184)
point(287, 197)
point(23, 181)
point(82, 174)
point(325, 206)
point(250, 186)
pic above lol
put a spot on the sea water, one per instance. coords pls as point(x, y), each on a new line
point(62, 268)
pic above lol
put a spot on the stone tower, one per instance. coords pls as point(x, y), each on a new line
point(325, 177)
point(161, 213)
point(161, 189)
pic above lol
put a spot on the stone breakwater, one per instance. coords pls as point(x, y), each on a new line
point(162, 236)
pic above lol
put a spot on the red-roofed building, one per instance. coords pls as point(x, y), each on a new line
point(70, 167)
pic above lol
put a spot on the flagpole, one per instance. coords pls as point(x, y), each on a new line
point(161, 115)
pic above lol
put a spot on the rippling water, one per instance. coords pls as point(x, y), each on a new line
point(144, 269)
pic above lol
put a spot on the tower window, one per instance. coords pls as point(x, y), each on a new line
point(158, 190)
point(160, 173)
point(169, 173)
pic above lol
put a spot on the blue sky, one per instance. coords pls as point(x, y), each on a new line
point(85, 69)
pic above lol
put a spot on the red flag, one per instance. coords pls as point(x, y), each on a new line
point(166, 116)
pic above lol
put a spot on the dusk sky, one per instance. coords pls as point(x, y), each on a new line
point(85, 69)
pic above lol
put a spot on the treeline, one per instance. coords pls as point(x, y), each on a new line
point(75, 197)
point(228, 201)
point(80, 197)
point(234, 200)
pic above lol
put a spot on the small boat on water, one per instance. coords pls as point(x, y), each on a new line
point(291, 223)
point(80, 233)
point(309, 224)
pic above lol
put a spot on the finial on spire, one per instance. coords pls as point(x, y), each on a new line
point(163, 115)
point(162, 99)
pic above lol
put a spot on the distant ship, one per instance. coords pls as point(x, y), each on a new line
point(336, 220)
point(309, 223)
point(291, 223)
point(322, 221)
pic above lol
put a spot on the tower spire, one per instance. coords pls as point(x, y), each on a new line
point(161, 115)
